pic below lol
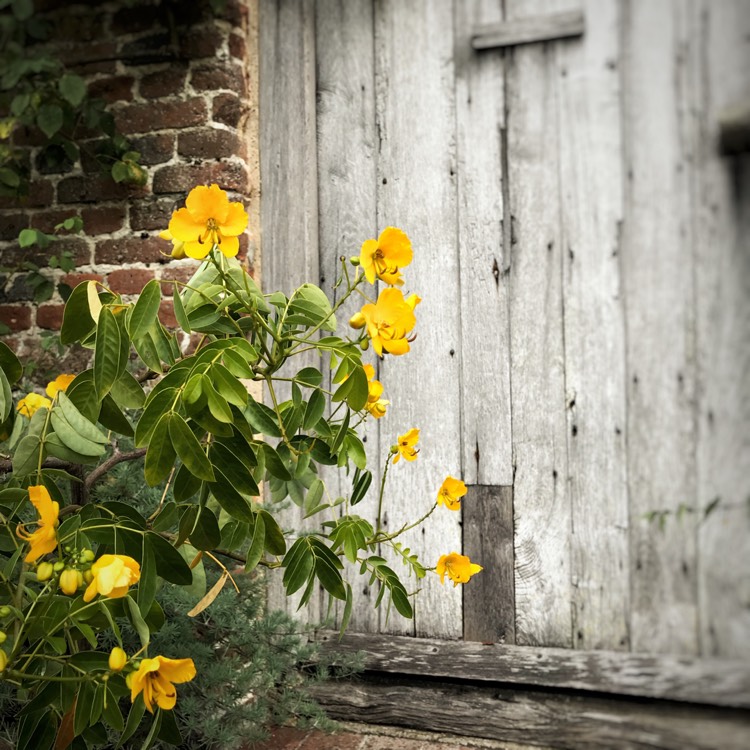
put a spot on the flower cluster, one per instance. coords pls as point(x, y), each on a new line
point(32, 402)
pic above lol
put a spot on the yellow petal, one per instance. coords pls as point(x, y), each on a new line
point(206, 203)
point(177, 670)
point(395, 346)
point(197, 250)
point(396, 246)
point(184, 227)
point(236, 221)
point(229, 246)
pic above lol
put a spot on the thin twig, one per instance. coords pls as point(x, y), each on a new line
point(113, 460)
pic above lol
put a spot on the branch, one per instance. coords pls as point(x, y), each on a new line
point(6, 465)
point(116, 458)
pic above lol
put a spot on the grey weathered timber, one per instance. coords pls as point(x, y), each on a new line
point(540, 497)
point(572, 722)
point(289, 181)
point(721, 211)
point(734, 129)
point(718, 682)
point(594, 329)
point(347, 158)
point(658, 282)
point(539, 28)
point(417, 192)
point(484, 258)
point(489, 602)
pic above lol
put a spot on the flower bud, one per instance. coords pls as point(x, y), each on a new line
point(354, 260)
point(88, 576)
point(44, 571)
point(117, 659)
point(394, 450)
point(58, 566)
point(357, 320)
point(178, 250)
point(413, 300)
point(70, 580)
point(88, 555)
point(5, 610)
point(3, 660)
point(3, 636)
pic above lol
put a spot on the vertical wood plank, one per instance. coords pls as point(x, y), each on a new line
point(483, 259)
point(347, 205)
point(289, 193)
point(722, 252)
point(658, 282)
point(417, 192)
point(489, 611)
point(541, 504)
point(591, 193)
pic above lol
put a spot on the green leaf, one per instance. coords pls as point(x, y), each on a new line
point(229, 498)
point(83, 707)
point(186, 484)
point(110, 352)
point(205, 534)
point(82, 395)
point(262, 419)
point(314, 410)
point(49, 118)
point(111, 712)
point(72, 88)
point(299, 564)
point(275, 542)
point(6, 397)
point(361, 485)
point(228, 385)
point(146, 310)
point(23, 9)
point(255, 553)
point(134, 721)
point(189, 449)
point(72, 439)
point(128, 392)
point(10, 364)
point(170, 564)
point(217, 404)
point(309, 376)
point(136, 620)
point(274, 465)
point(113, 419)
point(77, 421)
point(148, 583)
point(179, 310)
point(152, 413)
point(77, 320)
point(160, 455)
point(234, 468)
point(26, 456)
point(148, 352)
point(237, 365)
point(359, 390)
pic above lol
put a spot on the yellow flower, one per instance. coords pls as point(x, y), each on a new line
point(385, 256)
point(155, 678)
point(60, 383)
point(357, 320)
point(3, 660)
point(44, 539)
point(70, 581)
point(178, 247)
point(208, 219)
point(389, 321)
point(375, 405)
point(29, 404)
point(113, 576)
point(458, 567)
point(117, 659)
point(405, 446)
point(450, 493)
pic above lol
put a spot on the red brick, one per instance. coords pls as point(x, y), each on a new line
point(227, 110)
point(200, 42)
point(131, 250)
point(325, 741)
point(16, 317)
point(28, 136)
point(215, 76)
point(151, 214)
point(165, 82)
point(50, 316)
point(283, 738)
point(144, 118)
point(166, 314)
point(93, 57)
point(152, 48)
point(41, 194)
point(208, 144)
point(78, 248)
point(237, 46)
point(178, 273)
point(154, 149)
point(91, 189)
point(74, 279)
point(112, 89)
point(46, 221)
point(181, 179)
point(136, 19)
point(84, 26)
point(235, 12)
point(11, 225)
point(101, 220)
point(129, 280)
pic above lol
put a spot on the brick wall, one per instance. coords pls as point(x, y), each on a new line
point(182, 85)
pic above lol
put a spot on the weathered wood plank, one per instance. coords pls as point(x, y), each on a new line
point(594, 329)
point(483, 259)
point(289, 182)
point(489, 611)
point(722, 252)
point(717, 682)
point(536, 718)
point(658, 282)
point(415, 110)
point(347, 204)
point(541, 503)
point(539, 28)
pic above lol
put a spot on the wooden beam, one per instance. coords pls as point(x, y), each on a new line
point(576, 722)
point(529, 30)
point(707, 681)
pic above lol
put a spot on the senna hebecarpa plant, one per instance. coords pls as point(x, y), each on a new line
point(73, 568)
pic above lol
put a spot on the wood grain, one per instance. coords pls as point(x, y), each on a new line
point(484, 256)
point(538, 718)
point(719, 682)
point(529, 30)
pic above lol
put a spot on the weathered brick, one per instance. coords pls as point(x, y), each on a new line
point(166, 314)
point(235, 12)
point(16, 317)
point(112, 89)
point(215, 76)
point(151, 214)
point(78, 248)
point(170, 80)
point(52, 159)
point(325, 741)
point(227, 109)
point(74, 279)
point(46, 221)
point(143, 118)
point(182, 178)
point(131, 250)
point(90, 189)
point(148, 49)
point(12, 224)
point(177, 273)
point(19, 290)
point(137, 19)
point(129, 280)
point(41, 193)
point(238, 46)
point(154, 149)
point(28, 136)
point(82, 26)
point(104, 219)
point(208, 144)
point(50, 316)
point(200, 42)
point(93, 57)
